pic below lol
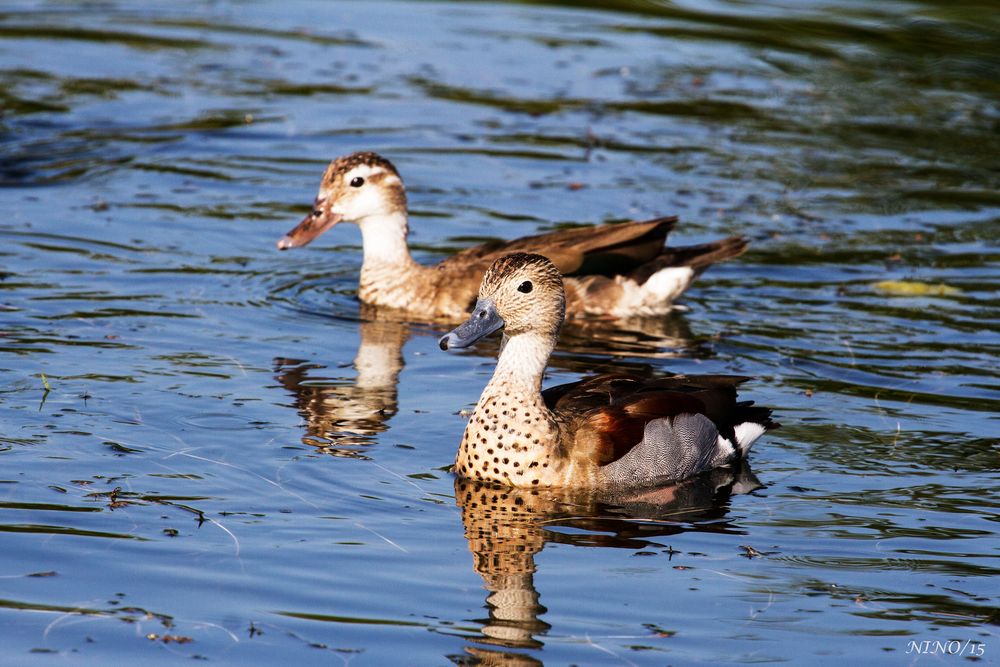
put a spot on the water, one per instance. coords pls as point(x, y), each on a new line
point(233, 462)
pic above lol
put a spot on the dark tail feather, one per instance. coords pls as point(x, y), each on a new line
point(698, 257)
point(611, 259)
point(746, 411)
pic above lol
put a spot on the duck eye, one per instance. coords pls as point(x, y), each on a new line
point(317, 213)
point(525, 287)
point(357, 182)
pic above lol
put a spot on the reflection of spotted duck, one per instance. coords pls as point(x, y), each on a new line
point(606, 430)
point(506, 527)
point(617, 270)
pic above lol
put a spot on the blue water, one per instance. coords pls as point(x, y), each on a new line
point(233, 462)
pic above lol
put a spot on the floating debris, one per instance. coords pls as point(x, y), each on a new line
point(166, 639)
point(914, 288)
point(750, 552)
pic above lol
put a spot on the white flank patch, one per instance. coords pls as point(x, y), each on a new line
point(656, 295)
point(726, 449)
point(668, 284)
point(747, 433)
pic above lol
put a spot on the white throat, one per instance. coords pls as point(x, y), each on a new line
point(522, 360)
point(384, 238)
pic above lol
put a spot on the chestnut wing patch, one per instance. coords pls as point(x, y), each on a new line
point(614, 430)
point(604, 417)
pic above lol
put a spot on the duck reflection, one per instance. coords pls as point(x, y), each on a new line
point(506, 527)
point(649, 337)
point(345, 411)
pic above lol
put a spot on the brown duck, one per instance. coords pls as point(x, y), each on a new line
point(610, 430)
point(615, 270)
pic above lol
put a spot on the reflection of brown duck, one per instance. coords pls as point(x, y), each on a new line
point(612, 270)
point(506, 527)
point(344, 411)
point(665, 336)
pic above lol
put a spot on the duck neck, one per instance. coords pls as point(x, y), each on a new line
point(383, 237)
point(521, 364)
point(512, 435)
point(387, 270)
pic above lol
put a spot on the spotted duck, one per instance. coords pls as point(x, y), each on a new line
point(609, 430)
point(614, 270)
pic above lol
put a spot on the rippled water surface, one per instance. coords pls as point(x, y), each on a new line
point(209, 451)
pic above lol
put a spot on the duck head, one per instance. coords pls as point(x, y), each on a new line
point(521, 293)
point(360, 187)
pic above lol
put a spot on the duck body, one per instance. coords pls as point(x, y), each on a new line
point(615, 270)
point(605, 431)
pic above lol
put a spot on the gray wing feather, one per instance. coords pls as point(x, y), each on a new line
point(671, 449)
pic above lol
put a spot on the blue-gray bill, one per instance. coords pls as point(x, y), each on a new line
point(483, 321)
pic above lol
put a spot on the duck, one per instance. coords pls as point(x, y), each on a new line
point(612, 270)
point(607, 431)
